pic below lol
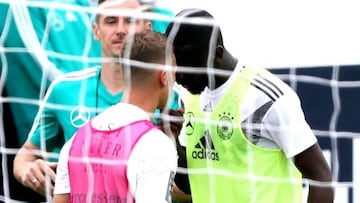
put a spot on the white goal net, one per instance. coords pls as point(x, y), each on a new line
point(311, 45)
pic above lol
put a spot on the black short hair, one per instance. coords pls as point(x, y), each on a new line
point(182, 32)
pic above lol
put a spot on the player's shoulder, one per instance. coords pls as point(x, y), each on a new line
point(270, 84)
point(72, 80)
point(77, 76)
point(156, 144)
point(118, 115)
point(264, 75)
point(80, 74)
point(180, 92)
point(156, 137)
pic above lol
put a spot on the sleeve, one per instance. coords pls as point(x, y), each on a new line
point(62, 181)
point(161, 25)
point(46, 128)
point(151, 168)
point(182, 94)
point(285, 124)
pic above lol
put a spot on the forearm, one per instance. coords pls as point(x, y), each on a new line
point(60, 198)
point(179, 195)
point(314, 167)
point(320, 194)
point(320, 188)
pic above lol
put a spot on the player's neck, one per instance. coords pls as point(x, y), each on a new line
point(145, 98)
point(112, 77)
point(227, 63)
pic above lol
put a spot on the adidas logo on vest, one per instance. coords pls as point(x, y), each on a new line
point(205, 149)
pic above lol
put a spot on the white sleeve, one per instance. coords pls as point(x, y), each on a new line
point(62, 181)
point(285, 124)
point(151, 168)
point(183, 94)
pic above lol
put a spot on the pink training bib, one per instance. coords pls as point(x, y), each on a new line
point(98, 162)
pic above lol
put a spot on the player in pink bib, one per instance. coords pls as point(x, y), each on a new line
point(120, 156)
point(104, 153)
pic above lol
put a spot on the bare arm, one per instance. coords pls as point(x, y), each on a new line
point(61, 198)
point(313, 166)
point(32, 171)
point(179, 195)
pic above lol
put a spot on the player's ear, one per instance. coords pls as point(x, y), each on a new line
point(163, 78)
point(219, 52)
point(148, 25)
point(96, 31)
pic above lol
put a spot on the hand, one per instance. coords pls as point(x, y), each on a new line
point(170, 122)
point(38, 175)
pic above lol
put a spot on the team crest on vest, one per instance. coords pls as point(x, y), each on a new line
point(190, 124)
point(225, 128)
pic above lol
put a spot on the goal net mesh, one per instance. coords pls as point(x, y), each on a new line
point(311, 46)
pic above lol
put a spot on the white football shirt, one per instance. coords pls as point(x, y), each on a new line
point(282, 121)
point(151, 165)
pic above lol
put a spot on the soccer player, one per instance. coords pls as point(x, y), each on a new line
point(112, 158)
point(244, 137)
point(45, 36)
point(56, 29)
point(41, 37)
point(74, 98)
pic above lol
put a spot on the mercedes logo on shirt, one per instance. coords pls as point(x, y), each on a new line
point(57, 22)
point(79, 116)
point(189, 123)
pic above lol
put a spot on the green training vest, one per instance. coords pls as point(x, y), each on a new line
point(224, 166)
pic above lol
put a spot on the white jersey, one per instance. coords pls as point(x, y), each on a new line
point(150, 164)
point(271, 104)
